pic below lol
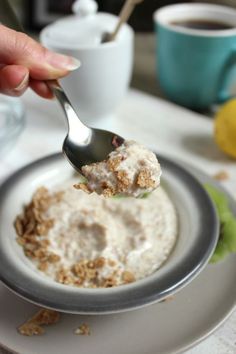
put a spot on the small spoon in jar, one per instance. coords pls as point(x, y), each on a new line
point(124, 15)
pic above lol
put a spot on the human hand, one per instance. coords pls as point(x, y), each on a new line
point(25, 63)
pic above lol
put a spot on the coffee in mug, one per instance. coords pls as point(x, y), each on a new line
point(203, 24)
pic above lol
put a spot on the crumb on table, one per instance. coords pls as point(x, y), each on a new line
point(34, 325)
point(83, 330)
point(221, 175)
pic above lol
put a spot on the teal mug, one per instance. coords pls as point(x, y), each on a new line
point(196, 66)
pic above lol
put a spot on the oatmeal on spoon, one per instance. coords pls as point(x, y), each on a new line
point(129, 170)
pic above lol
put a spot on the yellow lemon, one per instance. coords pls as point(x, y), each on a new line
point(225, 128)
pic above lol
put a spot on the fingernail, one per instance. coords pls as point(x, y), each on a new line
point(23, 83)
point(64, 62)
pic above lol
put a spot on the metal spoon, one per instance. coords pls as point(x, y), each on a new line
point(83, 145)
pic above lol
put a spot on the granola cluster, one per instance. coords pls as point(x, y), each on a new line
point(89, 272)
point(144, 179)
point(35, 325)
point(83, 330)
point(130, 170)
point(32, 227)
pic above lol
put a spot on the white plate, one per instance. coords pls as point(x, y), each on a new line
point(168, 327)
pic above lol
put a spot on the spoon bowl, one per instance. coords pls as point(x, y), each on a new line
point(83, 145)
point(96, 148)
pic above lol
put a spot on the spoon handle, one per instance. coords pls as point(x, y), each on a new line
point(57, 90)
point(72, 117)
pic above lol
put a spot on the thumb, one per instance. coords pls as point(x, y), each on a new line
point(19, 49)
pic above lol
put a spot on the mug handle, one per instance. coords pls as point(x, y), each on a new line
point(224, 94)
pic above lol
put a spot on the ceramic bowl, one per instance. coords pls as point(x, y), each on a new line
point(197, 238)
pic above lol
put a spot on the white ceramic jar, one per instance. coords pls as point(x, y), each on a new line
point(99, 85)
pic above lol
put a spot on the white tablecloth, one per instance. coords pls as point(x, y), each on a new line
point(165, 127)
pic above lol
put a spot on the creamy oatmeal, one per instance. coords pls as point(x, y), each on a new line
point(130, 170)
point(87, 240)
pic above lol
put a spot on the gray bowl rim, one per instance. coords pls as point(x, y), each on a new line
point(123, 298)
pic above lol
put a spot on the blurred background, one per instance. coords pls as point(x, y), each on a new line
point(35, 14)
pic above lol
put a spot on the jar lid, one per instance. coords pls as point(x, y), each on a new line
point(83, 29)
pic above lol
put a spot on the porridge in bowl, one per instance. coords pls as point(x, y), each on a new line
point(87, 240)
